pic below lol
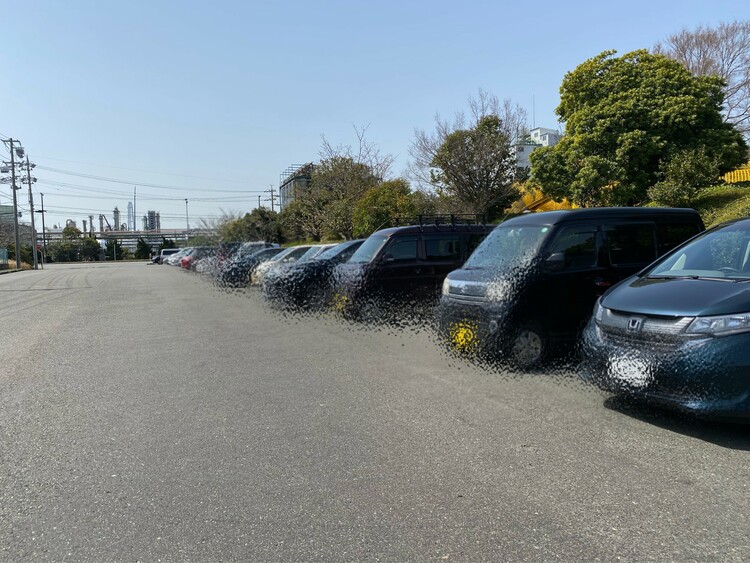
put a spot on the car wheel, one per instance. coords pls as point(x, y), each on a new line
point(528, 347)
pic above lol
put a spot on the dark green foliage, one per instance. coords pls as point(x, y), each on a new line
point(166, 243)
point(685, 175)
point(73, 250)
point(142, 249)
point(477, 166)
point(625, 118)
point(113, 250)
point(380, 205)
point(260, 224)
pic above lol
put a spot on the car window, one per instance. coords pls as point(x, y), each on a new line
point(401, 249)
point(474, 240)
point(295, 254)
point(442, 247)
point(631, 244)
point(369, 249)
point(720, 253)
point(507, 248)
point(669, 235)
point(578, 247)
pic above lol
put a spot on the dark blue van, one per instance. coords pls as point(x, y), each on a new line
point(678, 333)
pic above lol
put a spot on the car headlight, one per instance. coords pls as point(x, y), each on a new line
point(599, 311)
point(446, 286)
point(720, 325)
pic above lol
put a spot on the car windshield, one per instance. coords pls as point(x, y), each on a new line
point(294, 254)
point(265, 253)
point(311, 253)
point(369, 249)
point(340, 250)
point(283, 254)
point(720, 253)
point(508, 247)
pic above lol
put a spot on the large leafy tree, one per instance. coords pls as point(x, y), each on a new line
point(113, 250)
point(470, 160)
point(477, 166)
point(386, 202)
point(344, 174)
point(260, 224)
point(142, 249)
point(625, 118)
point(336, 185)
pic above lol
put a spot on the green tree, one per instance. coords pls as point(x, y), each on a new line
point(382, 204)
point(624, 119)
point(166, 243)
point(470, 162)
point(113, 250)
point(71, 232)
point(336, 185)
point(73, 249)
point(142, 249)
point(686, 174)
point(89, 249)
point(259, 224)
point(325, 207)
point(477, 166)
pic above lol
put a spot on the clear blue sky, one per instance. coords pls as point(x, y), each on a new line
point(216, 99)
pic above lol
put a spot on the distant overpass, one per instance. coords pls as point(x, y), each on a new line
point(177, 235)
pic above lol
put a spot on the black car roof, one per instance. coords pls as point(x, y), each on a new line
point(554, 217)
point(432, 228)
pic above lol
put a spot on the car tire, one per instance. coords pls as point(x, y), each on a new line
point(528, 347)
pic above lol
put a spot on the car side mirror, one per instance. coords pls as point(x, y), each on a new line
point(555, 262)
point(388, 258)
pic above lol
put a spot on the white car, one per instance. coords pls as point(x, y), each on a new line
point(291, 254)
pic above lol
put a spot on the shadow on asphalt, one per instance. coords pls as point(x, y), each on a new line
point(734, 436)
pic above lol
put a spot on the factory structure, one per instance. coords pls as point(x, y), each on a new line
point(115, 226)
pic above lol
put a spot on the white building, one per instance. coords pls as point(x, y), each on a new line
point(537, 137)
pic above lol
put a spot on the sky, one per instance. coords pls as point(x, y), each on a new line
point(212, 102)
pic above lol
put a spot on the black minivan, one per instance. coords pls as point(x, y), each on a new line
point(533, 282)
point(400, 269)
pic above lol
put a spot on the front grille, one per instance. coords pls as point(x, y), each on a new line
point(624, 340)
point(466, 299)
point(649, 327)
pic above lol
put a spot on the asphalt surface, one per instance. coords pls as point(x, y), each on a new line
point(146, 415)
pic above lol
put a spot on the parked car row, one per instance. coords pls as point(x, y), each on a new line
point(210, 259)
point(671, 319)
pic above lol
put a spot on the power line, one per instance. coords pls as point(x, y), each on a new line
point(127, 195)
point(141, 170)
point(137, 183)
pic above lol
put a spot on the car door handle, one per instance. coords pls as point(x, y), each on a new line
point(602, 283)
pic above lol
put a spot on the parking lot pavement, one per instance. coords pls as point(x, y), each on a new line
point(146, 415)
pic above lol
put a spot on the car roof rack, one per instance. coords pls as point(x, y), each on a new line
point(453, 221)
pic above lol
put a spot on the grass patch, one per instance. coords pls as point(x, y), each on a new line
point(724, 203)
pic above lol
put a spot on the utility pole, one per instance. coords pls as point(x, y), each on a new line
point(12, 163)
point(272, 199)
point(135, 227)
point(29, 181)
point(44, 234)
point(187, 218)
point(258, 202)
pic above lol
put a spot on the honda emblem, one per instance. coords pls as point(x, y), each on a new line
point(635, 324)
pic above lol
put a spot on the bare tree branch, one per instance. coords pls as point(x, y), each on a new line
point(723, 51)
